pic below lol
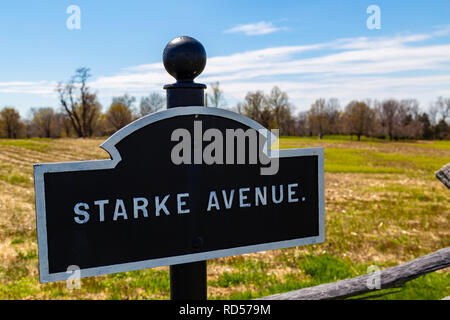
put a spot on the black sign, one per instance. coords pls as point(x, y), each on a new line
point(163, 199)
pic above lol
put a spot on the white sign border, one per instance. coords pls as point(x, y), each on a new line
point(109, 145)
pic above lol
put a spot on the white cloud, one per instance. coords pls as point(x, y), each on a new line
point(44, 88)
point(401, 66)
point(346, 88)
point(442, 31)
point(255, 29)
point(348, 69)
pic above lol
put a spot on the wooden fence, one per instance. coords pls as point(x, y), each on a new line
point(444, 175)
point(389, 278)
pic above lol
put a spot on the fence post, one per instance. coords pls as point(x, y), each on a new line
point(185, 58)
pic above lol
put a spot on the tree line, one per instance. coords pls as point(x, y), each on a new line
point(80, 114)
point(388, 119)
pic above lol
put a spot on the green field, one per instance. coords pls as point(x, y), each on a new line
point(384, 206)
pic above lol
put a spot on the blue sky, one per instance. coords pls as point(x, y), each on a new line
point(309, 49)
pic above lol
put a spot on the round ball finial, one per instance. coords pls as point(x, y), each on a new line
point(184, 58)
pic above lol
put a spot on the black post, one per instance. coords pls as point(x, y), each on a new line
point(185, 58)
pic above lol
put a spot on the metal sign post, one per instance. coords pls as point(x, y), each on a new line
point(183, 186)
point(185, 58)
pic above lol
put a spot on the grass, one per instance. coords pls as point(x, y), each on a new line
point(383, 207)
point(341, 156)
point(30, 144)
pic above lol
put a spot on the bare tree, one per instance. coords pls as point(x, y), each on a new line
point(302, 124)
point(83, 110)
point(433, 112)
point(45, 123)
point(443, 108)
point(10, 124)
point(253, 105)
point(151, 104)
point(65, 123)
point(359, 118)
point(426, 127)
point(256, 107)
point(388, 112)
point(400, 119)
point(333, 114)
point(323, 117)
point(411, 105)
point(408, 125)
point(126, 100)
point(215, 98)
point(117, 117)
point(279, 105)
point(239, 108)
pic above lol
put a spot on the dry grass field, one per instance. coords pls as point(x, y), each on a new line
point(383, 207)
